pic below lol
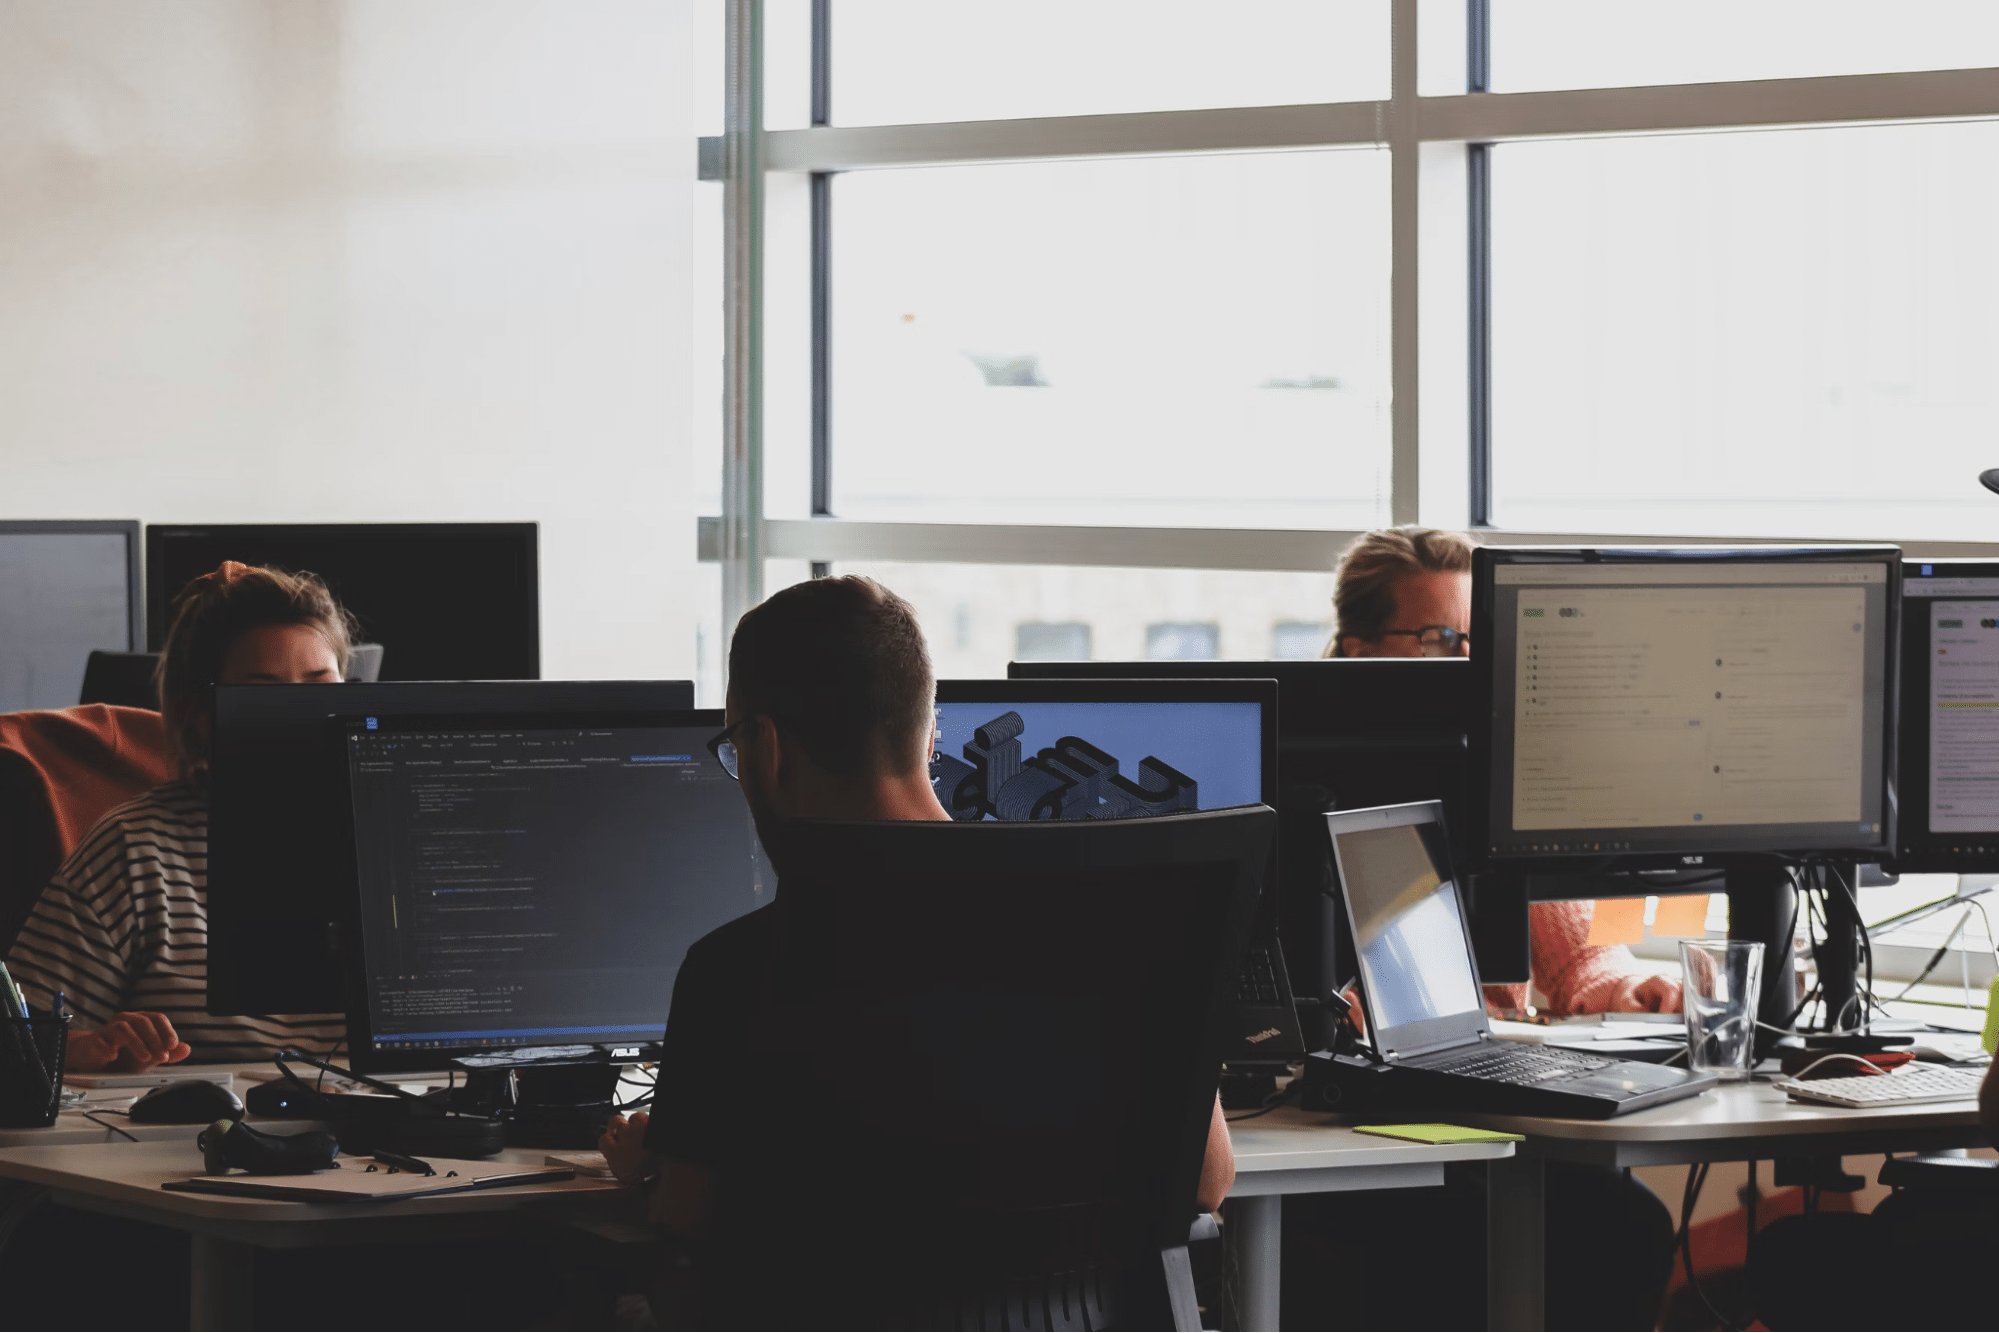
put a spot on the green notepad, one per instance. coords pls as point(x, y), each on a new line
point(1438, 1133)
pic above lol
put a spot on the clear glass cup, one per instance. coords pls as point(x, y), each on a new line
point(1723, 980)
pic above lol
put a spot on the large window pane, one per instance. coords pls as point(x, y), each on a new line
point(898, 61)
point(1619, 43)
point(1178, 341)
point(1787, 334)
point(977, 618)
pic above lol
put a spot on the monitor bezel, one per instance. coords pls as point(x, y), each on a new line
point(157, 606)
point(129, 529)
point(239, 906)
point(1260, 690)
point(1692, 852)
point(363, 1054)
point(1918, 850)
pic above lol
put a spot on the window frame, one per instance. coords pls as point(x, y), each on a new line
point(1440, 410)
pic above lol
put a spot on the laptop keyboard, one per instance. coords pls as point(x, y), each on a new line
point(1525, 1067)
point(1259, 979)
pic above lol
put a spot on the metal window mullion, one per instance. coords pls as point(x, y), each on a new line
point(822, 279)
point(742, 535)
point(1478, 291)
point(1404, 189)
point(1478, 275)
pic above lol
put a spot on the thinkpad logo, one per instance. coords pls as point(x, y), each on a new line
point(1264, 1035)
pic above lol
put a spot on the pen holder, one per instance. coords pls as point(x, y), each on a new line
point(32, 1051)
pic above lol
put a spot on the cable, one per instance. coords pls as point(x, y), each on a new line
point(91, 1116)
point(1837, 1055)
point(1689, 1199)
point(1270, 1103)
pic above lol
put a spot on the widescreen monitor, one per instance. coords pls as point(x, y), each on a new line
point(1949, 767)
point(67, 589)
point(1021, 750)
point(447, 601)
point(1665, 706)
point(279, 894)
point(534, 881)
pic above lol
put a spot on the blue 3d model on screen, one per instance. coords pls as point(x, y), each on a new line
point(1071, 779)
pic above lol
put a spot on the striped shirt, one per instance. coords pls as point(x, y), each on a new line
point(123, 926)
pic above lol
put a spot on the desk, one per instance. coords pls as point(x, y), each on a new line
point(1737, 1122)
point(124, 1179)
point(1290, 1151)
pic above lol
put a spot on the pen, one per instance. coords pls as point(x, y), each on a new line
point(10, 995)
point(402, 1163)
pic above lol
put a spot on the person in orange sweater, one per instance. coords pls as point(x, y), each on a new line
point(1406, 592)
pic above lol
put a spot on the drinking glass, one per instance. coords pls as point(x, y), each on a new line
point(1724, 978)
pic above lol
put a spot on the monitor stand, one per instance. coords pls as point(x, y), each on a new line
point(1763, 906)
point(546, 1097)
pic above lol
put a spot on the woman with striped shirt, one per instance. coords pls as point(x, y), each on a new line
point(122, 929)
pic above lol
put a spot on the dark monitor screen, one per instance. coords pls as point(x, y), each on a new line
point(1647, 706)
point(1018, 750)
point(67, 589)
point(1352, 733)
point(1949, 769)
point(535, 881)
point(279, 888)
point(447, 601)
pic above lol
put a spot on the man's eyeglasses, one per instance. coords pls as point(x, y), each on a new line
point(1435, 640)
point(723, 747)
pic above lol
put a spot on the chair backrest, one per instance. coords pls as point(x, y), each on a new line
point(60, 772)
point(1010, 1034)
point(124, 679)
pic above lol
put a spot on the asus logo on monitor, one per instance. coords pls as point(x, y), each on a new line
point(1693, 860)
point(624, 1052)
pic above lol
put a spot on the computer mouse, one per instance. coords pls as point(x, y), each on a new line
point(190, 1102)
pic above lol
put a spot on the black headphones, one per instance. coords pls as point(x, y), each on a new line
point(232, 1144)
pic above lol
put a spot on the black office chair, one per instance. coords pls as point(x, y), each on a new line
point(1008, 1043)
point(125, 679)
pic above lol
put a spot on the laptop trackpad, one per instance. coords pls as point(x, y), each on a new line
point(1626, 1079)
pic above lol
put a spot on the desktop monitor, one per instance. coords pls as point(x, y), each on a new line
point(1678, 706)
point(533, 881)
point(447, 601)
point(67, 589)
point(1062, 749)
point(1949, 765)
point(279, 894)
point(1355, 733)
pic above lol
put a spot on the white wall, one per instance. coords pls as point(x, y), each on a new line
point(364, 260)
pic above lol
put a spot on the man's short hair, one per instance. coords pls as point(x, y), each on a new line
point(839, 663)
point(1364, 583)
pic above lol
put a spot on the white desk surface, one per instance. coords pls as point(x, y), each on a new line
point(1289, 1139)
point(1734, 1111)
point(131, 1174)
point(73, 1127)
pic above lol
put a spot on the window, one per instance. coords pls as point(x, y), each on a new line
point(1183, 643)
point(1040, 640)
point(1194, 341)
point(1780, 334)
point(917, 60)
point(1592, 44)
point(977, 618)
point(1299, 639)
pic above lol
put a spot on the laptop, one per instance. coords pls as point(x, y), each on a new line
point(1420, 988)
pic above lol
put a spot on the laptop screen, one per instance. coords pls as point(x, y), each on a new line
point(1408, 925)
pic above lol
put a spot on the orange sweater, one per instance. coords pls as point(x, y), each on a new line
point(1577, 977)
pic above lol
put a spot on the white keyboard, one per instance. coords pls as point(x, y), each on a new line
point(1910, 1085)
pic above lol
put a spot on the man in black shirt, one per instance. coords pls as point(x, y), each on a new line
point(831, 715)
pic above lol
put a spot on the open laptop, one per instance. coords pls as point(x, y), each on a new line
point(1420, 988)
